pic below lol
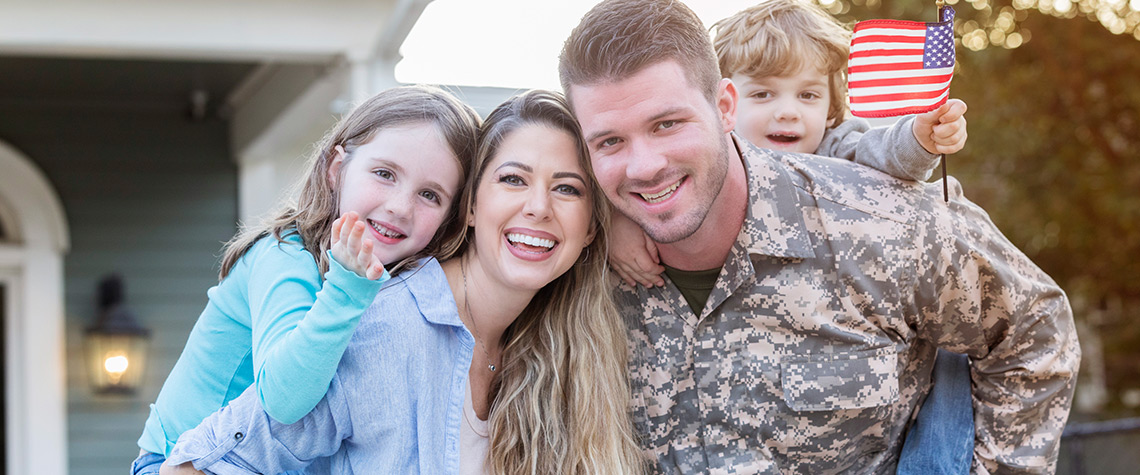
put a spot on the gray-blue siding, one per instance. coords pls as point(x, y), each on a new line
point(150, 195)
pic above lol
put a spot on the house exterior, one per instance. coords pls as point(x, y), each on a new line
point(134, 137)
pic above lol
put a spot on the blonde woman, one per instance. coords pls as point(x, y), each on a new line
point(505, 357)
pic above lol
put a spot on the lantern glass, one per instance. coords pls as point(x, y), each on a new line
point(116, 361)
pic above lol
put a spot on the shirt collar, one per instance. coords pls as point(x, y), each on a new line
point(774, 225)
point(429, 288)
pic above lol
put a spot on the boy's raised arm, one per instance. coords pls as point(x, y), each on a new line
point(909, 149)
point(893, 150)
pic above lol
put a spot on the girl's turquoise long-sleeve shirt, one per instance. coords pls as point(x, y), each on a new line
point(272, 322)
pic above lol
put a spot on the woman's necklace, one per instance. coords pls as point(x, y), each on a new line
point(467, 307)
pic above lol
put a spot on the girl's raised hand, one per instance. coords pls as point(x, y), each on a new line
point(352, 250)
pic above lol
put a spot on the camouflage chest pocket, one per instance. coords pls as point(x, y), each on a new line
point(840, 381)
point(841, 406)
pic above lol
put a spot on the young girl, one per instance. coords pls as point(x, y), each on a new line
point(292, 291)
point(506, 356)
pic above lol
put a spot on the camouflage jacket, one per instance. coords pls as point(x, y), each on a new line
point(816, 346)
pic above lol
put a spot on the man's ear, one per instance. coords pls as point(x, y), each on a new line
point(726, 98)
point(334, 167)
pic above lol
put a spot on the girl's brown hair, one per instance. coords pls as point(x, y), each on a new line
point(317, 204)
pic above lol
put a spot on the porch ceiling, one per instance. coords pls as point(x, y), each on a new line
point(151, 84)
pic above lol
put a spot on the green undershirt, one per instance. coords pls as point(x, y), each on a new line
point(695, 285)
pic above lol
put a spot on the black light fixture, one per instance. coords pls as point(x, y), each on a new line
point(117, 344)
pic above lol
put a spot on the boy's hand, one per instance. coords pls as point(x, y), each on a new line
point(942, 130)
point(183, 469)
point(352, 250)
point(633, 256)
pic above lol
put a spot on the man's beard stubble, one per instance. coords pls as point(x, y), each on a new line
point(661, 231)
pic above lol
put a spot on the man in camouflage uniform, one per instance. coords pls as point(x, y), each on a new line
point(834, 283)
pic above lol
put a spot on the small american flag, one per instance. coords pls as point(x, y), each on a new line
point(901, 67)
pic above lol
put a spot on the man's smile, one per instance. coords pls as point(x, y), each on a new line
point(653, 198)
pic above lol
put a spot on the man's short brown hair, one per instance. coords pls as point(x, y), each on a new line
point(778, 38)
point(618, 38)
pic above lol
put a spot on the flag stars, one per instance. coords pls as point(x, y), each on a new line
point(939, 48)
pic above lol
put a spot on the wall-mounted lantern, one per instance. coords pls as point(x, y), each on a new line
point(117, 344)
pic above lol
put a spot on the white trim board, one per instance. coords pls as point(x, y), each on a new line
point(31, 266)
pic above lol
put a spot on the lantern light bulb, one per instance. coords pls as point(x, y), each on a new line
point(116, 364)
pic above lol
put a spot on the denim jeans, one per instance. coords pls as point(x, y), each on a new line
point(941, 440)
point(147, 464)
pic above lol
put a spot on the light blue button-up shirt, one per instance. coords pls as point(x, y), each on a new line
point(394, 405)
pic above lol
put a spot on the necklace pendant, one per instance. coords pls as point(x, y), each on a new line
point(491, 367)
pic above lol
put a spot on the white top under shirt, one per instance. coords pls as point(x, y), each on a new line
point(473, 439)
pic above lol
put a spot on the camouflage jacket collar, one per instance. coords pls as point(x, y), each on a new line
point(773, 225)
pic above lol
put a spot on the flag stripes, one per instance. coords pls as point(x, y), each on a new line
point(900, 67)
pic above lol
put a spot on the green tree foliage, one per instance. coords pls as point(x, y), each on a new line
point(1054, 156)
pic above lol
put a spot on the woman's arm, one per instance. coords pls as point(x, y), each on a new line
point(242, 439)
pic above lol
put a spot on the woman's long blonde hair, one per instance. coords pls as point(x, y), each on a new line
point(317, 205)
point(560, 402)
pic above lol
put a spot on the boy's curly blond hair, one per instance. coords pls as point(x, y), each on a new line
point(780, 38)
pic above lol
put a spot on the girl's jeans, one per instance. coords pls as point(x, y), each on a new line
point(147, 463)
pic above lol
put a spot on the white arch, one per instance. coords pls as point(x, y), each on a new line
point(31, 268)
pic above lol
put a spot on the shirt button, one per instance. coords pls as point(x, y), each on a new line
point(238, 436)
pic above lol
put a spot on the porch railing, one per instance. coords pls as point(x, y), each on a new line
point(1076, 433)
